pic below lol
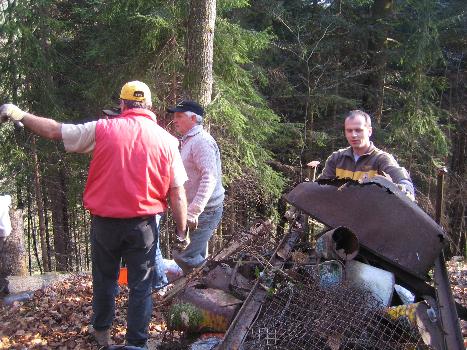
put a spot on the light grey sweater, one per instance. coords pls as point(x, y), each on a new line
point(201, 158)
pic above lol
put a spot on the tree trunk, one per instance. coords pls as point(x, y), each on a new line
point(86, 242)
point(373, 97)
point(39, 204)
point(32, 236)
point(59, 207)
point(76, 232)
point(46, 224)
point(199, 50)
point(13, 254)
point(457, 188)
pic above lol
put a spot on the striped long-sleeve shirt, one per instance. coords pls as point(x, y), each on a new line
point(201, 158)
point(344, 165)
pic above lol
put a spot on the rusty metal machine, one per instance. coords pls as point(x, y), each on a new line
point(363, 282)
point(343, 307)
point(386, 222)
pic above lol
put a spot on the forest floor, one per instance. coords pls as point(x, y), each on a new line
point(57, 317)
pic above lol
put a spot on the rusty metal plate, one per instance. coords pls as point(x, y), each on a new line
point(202, 309)
point(223, 277)
point(385, 221)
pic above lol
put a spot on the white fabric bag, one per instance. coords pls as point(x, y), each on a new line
point(5, 223)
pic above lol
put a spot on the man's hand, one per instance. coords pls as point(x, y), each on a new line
point(181, 241)
point(181, 235)
point(10, 111)
point(178, 204)
point(192, 222)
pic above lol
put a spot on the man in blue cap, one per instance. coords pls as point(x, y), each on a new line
point(204, 191)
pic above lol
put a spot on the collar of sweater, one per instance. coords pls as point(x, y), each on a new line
point(192, 132)
point(349, 152)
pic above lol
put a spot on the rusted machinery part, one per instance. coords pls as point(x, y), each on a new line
point(447, 309)
point(338, 243)
point(198, 308)
point(240, 325)
point(305, 314)
point(258, 229)
point(377, 215)
point(293, 238)
point(448, 313)
point(419, 287)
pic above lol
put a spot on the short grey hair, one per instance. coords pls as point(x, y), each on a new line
point(355, 113)
point(137, 104)
point(199, 119)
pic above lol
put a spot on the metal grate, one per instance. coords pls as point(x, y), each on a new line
point(301, 314)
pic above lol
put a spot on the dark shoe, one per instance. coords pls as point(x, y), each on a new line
point(187, 269)
point(136, 347)
point(102, 337)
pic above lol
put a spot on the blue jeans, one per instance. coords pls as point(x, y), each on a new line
point(196, 252)
point(134, 240)
point(160, 278)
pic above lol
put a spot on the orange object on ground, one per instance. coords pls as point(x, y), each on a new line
point(123, 276)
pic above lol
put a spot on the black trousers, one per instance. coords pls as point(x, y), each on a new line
point(134, 240)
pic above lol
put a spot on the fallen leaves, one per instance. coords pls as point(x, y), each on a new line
point(57, 317)
point(457, 270)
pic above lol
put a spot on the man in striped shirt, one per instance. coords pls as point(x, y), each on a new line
point(362, 160)
point(204, 190)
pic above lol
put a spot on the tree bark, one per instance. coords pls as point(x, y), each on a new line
point(46, 224)
point(39, 204)
point(13, 253)
point(32, 241)
point(86, 242)
point(374, 96)
point(456, 206)
point(200, 50)
point(59, 207)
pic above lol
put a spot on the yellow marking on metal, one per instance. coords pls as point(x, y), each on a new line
point(355, 175)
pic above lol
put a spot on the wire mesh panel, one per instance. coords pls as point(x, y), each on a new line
point(300, 313)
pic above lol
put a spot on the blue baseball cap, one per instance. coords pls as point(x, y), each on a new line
point(187, 106)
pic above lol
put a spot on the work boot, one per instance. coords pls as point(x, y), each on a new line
point(187, 269)
point(143, 346)
point(160, 291)
point(102, 337)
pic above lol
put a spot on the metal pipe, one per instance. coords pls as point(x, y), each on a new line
point(236, 333)
point(339, 243)
point(453, 339)
point(309, 235)
point(439, 193)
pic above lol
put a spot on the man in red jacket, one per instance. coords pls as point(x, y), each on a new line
point(135, 166)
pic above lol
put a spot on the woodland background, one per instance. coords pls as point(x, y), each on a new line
point(282, 75)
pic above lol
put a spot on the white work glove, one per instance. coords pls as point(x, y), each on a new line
point(10, 111)
point(404, 190)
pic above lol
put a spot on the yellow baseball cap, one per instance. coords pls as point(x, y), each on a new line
point(135, 91)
